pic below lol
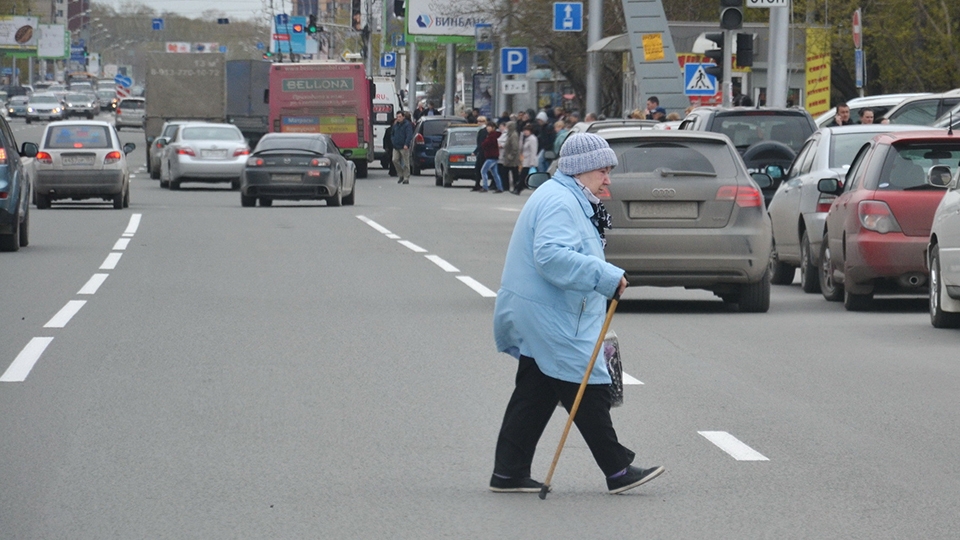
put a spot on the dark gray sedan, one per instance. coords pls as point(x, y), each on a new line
point(295, 167)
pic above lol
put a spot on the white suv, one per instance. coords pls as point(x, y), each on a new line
point(130, 113)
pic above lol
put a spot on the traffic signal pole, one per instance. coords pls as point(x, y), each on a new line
point(727, 85)
point(777, 53)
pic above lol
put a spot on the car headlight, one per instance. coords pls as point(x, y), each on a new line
point(30, 109)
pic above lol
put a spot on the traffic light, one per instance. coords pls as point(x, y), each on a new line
point(223, 20)
point(297, 28)
point(267, 55)
point(731, 14)
point(357, 18)
point(86, 53)
point(312, 24)
point(715, 54)
point(398, 8)
point(744, 50)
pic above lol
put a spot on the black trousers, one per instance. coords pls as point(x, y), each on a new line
point(532, 404)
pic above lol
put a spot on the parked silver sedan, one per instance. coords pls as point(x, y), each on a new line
point(204, 152)
point(798, 210)
point(82, 160)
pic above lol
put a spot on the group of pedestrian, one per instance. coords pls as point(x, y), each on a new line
point(506, 154)
point(842, 117)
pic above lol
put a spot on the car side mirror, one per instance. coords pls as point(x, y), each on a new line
point(829, 185)
point(127, 148)
point(536, 179)
point(29, 149)
point(939, 176)
point(763, 180)
point(347, 153)
point(162, 141)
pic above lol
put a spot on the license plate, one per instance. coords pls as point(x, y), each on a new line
point(471, 159)
point(213, 153)
point(286, 178)
point(663, 210)
point(78, 160)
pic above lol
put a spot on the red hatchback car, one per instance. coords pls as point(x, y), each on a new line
point(877, 229)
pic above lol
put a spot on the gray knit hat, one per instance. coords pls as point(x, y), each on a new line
point(585, 152)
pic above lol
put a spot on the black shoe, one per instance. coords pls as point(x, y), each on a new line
point(634, 477)
point(405, 181)
point(475, 189)
point(400, 180)
point(514, 485)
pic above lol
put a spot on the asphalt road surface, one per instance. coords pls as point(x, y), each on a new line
point(187, 368)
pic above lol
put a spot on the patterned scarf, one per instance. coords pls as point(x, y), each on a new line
point(600, 219)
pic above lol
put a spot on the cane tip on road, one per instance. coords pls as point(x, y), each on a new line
point(543, 492)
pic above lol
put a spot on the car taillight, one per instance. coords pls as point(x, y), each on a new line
point(45, 158)
point(604, 193)
point(241, 152)
point(121, 112)
point(3, 156)
point(457, 159)
point(824, 202)
point(418, 139)
point(112, 157)
point(744, 196)
point(255, 162)
point(186, 151)
point(877, 216)
point(320, 162)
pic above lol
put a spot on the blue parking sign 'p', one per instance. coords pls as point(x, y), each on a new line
point(513, 60)
point(388, 60)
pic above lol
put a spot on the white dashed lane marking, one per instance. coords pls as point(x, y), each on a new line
point(93, 284)
point(733, 446)
point(21, 366)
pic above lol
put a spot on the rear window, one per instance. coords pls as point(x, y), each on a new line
point(462, 138)
point(312, 144)
point(747, 129)
point(906, 166)
point(211, 133)
point(436, 127)
point(844, 147)
point(131, 104)
point(78, 136)
point(699, 156)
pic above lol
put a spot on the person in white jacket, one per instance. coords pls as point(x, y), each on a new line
point(530, 156)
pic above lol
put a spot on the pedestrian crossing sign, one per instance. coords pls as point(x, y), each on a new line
point(696, 81)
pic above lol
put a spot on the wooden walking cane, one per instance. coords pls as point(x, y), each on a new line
point(583, 387)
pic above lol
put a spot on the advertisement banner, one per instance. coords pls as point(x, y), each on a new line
point(443, 18)
point(51, 42)
point(818, 71)
point(18, 32)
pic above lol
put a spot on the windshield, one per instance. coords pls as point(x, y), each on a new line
point(747, 129)
point(311, 144)
point(844, 147)
point(78, 97)
point(696, 156)
point(78, 136)
point(44, 99)
point(211, 133)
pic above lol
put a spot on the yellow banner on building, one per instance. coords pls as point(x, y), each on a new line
point(818, 71)
point(653, 47)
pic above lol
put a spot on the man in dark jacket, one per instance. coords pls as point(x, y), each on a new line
point(481, 135)
point(402, 139)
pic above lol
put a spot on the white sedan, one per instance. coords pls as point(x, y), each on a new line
point(204, 152)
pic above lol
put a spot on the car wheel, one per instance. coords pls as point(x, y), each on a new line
point(414, 170)
point(781, 273)
point(126, 198)
point(25, 229)
point(28, 120)
point(436, 176)
point(447, 179)
point(42, 201)
point(265, 201)
point(361, 168)
point(118, 201)
point(755, 297)
point(154, 172)
point(337, 198)
point(349, 199)
point(118, 127)
point(938, 317)
point(857, 302)
point(829, 288)
point(246, 201)
point(174, 185)
point(808, 272)
point(164, 184)
point(11, 242)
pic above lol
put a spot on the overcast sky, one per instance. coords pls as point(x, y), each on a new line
point(240, 9)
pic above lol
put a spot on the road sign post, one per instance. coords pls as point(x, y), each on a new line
point(514, 60)
point(568, 17)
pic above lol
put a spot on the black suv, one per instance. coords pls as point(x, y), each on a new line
point(767, 138)
point(426, 140)
point(14, 191)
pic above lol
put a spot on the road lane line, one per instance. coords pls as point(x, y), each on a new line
point(447, 267)
point(379, 228)
point(93, 284)
point(65, 314)
point(111, 261)
point(733, 446)
point(393, 236)
point(627, 379)
point(133, 225)
point(410, 245)
point(23, 363)
point(121, 244)
point(477, 286)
